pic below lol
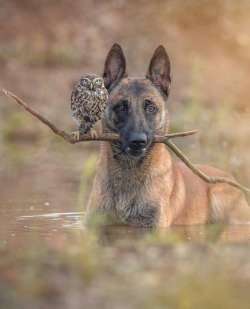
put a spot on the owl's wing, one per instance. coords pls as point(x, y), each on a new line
point(78, 99)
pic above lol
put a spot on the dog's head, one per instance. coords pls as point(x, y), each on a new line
point(137, 106)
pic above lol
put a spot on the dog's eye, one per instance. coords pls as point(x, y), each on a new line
point(151, 108)
point(122, 107)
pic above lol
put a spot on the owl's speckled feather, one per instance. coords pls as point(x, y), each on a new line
point(88, 101)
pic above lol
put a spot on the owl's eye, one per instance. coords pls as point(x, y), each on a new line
point(85, 81)
point(98, 81)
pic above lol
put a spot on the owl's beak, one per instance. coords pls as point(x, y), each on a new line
point(91, 86)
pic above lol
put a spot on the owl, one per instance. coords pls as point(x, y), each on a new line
point(88, 101)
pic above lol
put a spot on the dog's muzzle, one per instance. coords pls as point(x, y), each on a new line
point(137, 144)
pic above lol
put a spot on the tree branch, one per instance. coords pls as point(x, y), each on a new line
point(195, 170)
point(87, 137)
point(115, 138)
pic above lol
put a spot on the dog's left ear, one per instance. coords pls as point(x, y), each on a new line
point(159, 70)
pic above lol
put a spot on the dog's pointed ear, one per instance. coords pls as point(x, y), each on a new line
point(114, 67)
point(159, 70)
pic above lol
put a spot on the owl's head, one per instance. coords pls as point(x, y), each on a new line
point(92, 82)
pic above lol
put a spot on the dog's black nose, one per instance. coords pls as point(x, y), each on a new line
point(137, 140)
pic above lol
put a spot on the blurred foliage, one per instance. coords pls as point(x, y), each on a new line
point(55, 56)
point(149, 272)
point(86, 177)
point(19, 125)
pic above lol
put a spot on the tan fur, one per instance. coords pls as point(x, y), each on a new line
point(180, 196)
point(153, 190)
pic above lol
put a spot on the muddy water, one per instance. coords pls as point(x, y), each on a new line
point(44, 192)
point(51, 226)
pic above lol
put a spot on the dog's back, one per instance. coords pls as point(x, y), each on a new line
point(137, 182)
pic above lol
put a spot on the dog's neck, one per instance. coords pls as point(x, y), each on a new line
point(115, 160)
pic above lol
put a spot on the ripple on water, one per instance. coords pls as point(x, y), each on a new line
point(55, 220)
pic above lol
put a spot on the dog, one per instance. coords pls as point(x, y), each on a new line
point(137, 182)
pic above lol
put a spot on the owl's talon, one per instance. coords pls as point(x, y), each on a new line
point(93, 133)
point(77, 136)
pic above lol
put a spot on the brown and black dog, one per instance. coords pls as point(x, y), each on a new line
point(137, 182)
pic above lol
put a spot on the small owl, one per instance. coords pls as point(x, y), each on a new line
point(88, 101)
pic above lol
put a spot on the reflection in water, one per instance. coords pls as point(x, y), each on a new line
point(58, 228)
point(191, 233)
point(67, 219)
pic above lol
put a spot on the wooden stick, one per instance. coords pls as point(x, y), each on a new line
point(195, 170)
point(115, 138)
point(84, 138)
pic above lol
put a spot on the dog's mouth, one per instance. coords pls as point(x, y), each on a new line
point(136, 152)
point(127, 151)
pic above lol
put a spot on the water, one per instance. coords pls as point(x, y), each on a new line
point(19, 226)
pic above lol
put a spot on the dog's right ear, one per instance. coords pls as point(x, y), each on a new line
point(114, 67)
